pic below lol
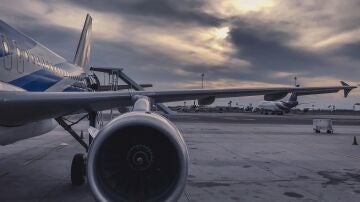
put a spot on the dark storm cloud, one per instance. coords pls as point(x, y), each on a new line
point(269, 53)
point(164, 10)
point(351, 51)
point(268, 50)
point(255, 40)
point(323, 11)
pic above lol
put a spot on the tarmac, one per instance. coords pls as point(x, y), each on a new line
point(233, 157)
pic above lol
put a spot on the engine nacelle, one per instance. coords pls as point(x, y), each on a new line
point(138, 156)
point(206, 101)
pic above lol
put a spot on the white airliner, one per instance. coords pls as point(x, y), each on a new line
point(281, 107)
point(278, 107)
point(138, 156)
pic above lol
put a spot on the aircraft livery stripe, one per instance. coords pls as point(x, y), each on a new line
point(37, 81)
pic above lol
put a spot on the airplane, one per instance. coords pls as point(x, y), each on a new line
point(281, 107)
point(278, 107)
point(137, 156)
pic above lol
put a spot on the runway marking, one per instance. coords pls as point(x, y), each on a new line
point(42, 155)
point(345, 155)
point(248, 119)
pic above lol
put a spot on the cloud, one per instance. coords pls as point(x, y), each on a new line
point(234, 42)
point(174, 11)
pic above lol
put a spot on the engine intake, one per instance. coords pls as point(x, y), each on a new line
point(138, 157)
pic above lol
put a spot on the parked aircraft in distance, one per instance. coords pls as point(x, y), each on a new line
point(138, 156)
point(281, 107)
point(278, 107)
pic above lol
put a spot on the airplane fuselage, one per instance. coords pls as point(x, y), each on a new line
point(26, 65)
point(32, 67)
point(277, 107)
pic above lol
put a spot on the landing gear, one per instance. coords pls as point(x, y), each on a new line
point(78, 164)
point(78, 170)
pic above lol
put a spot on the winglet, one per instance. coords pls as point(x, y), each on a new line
point(83, 50)
point(347, 88)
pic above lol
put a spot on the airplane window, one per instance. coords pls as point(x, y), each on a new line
point(18, 53)
point(6, 47)
point(32, 58)
point(2, 47)
point(48, 65)
point(43, 63)
point(26, 55)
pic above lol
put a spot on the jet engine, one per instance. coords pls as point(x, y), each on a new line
point(139, 156)
point(206, 101)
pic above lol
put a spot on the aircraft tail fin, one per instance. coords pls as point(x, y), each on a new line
point(82, 55)
point(293, 97)
point(346, 90)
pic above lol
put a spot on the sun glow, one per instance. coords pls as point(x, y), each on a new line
point(221, 33)
point(251, 5)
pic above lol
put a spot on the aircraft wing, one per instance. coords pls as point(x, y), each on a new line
point(181, 95)
point(22, 107)
point(324, 91)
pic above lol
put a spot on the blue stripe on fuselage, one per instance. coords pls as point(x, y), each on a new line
point(37, 81)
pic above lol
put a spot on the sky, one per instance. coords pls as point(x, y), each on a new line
point(235, 43)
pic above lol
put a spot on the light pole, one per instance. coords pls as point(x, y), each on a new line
point(202, 80)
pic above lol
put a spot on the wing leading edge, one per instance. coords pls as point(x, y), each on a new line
point(18, 108)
